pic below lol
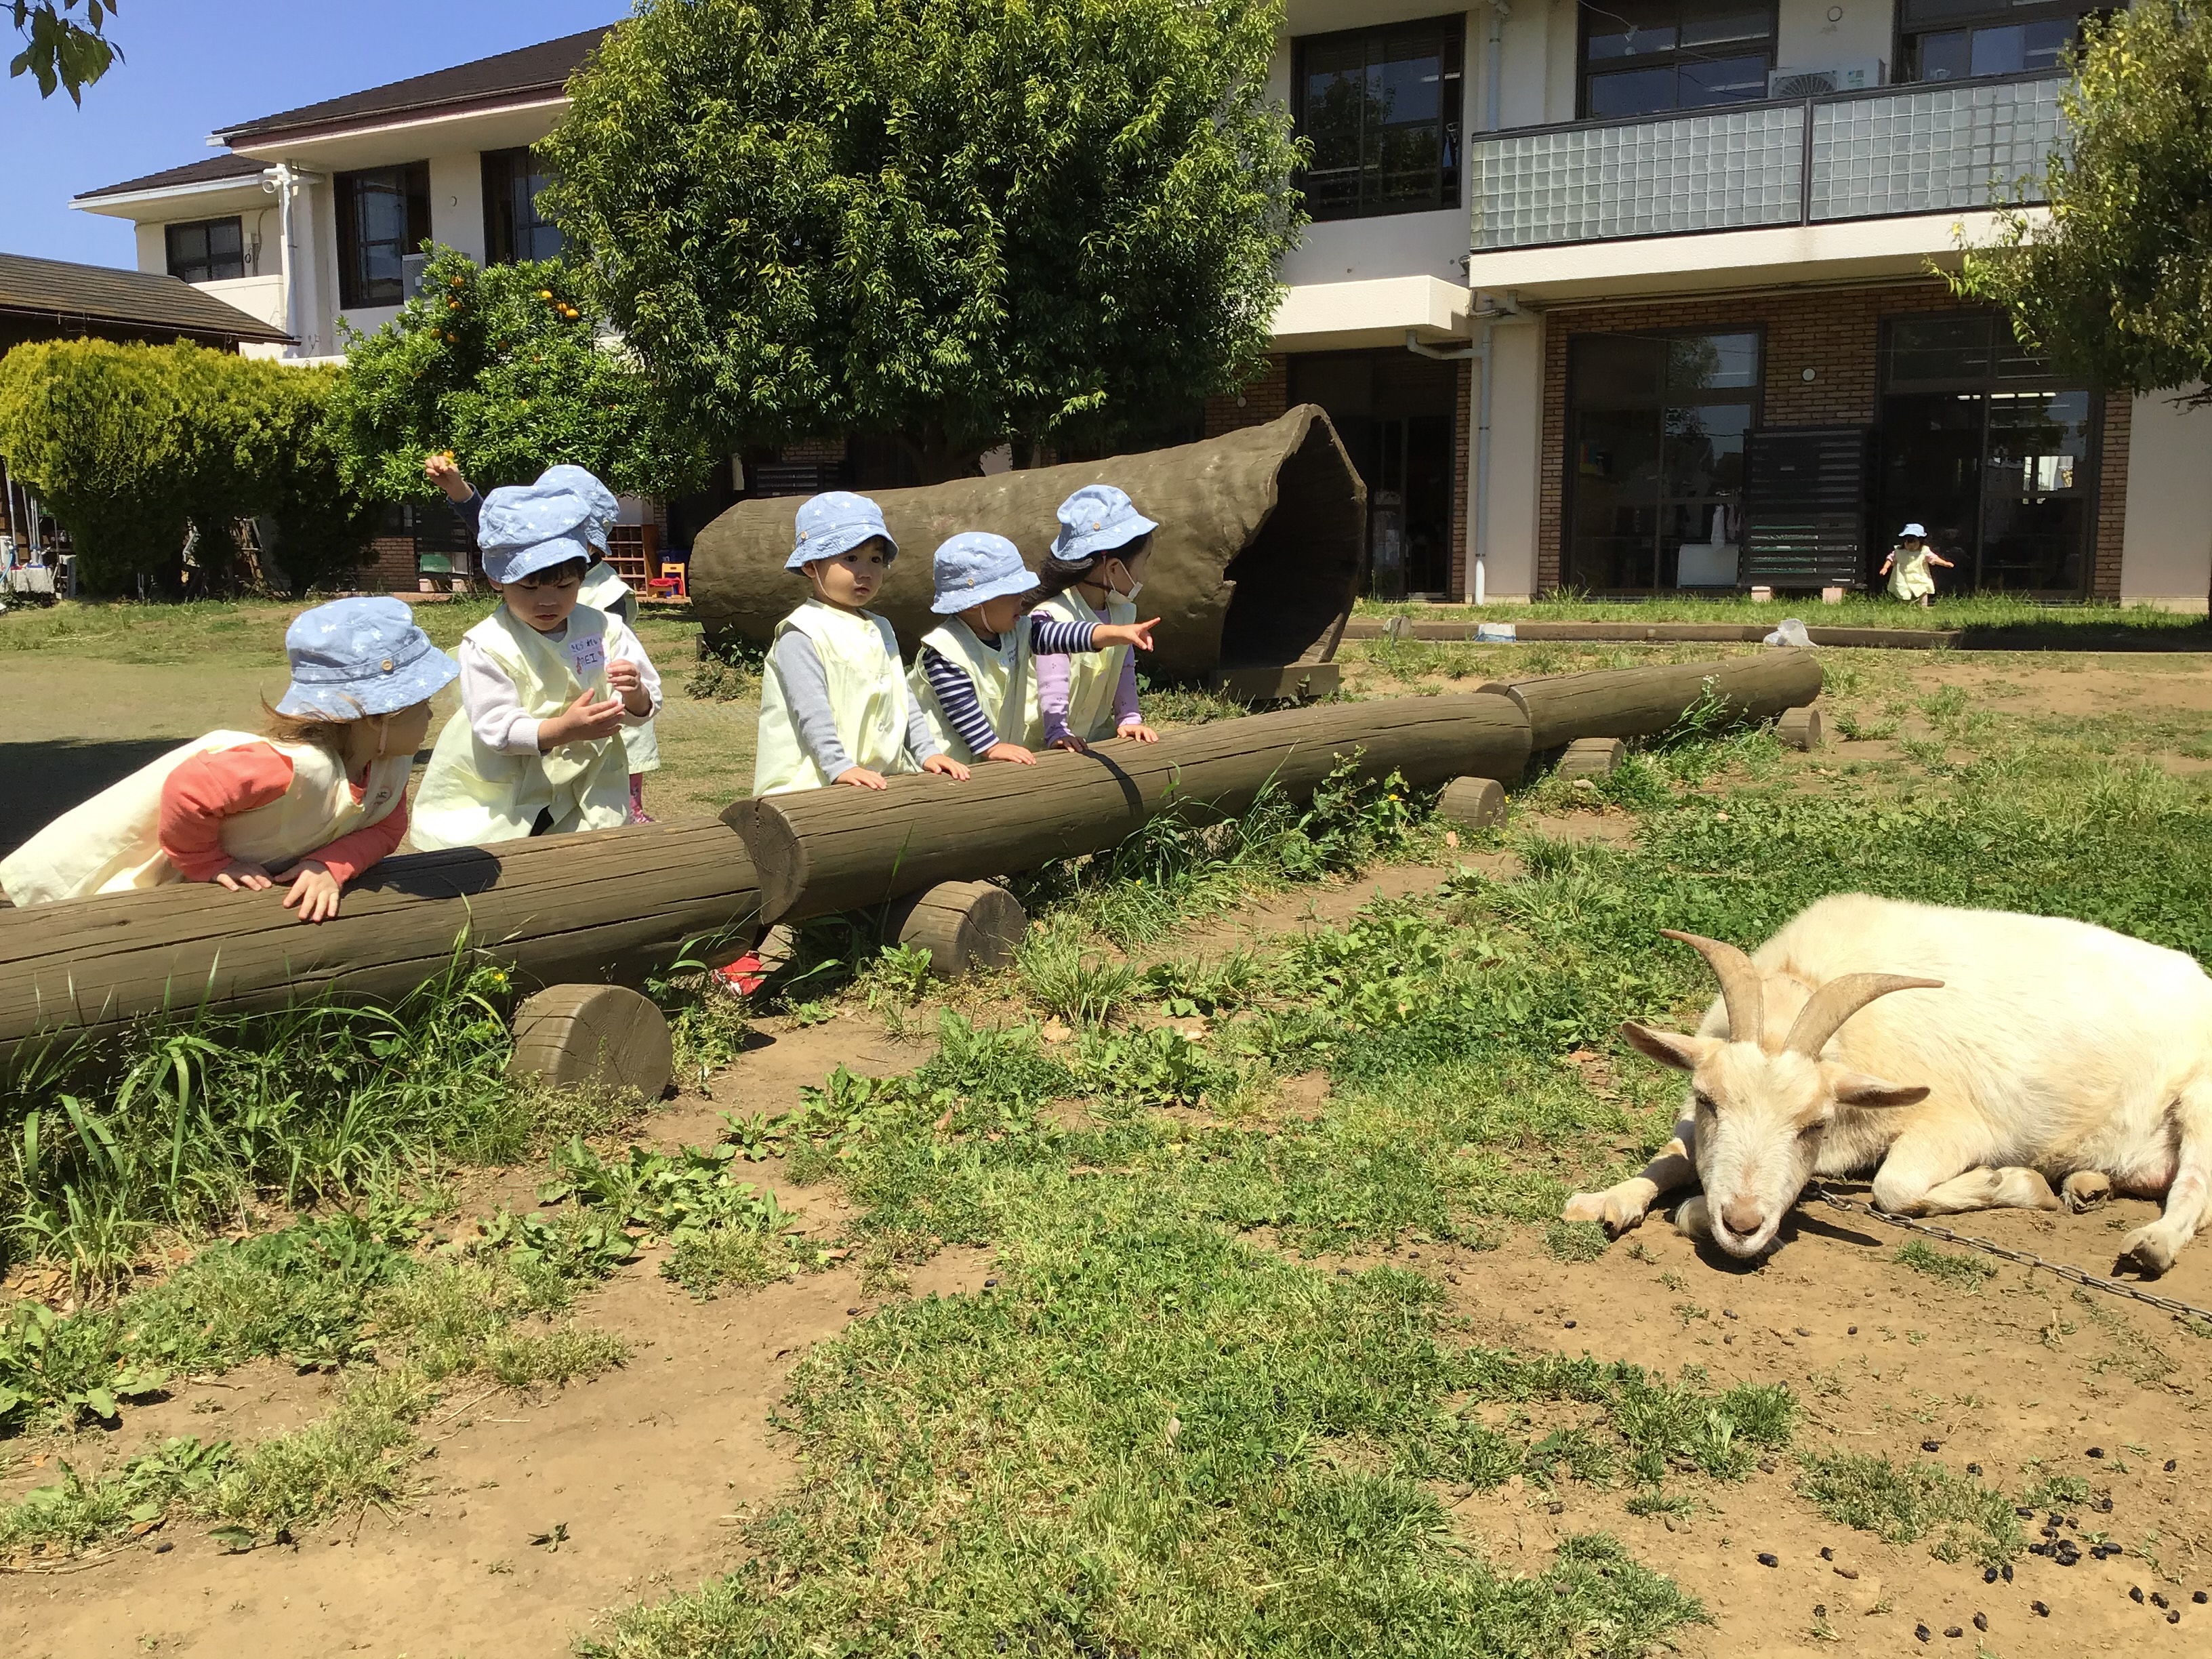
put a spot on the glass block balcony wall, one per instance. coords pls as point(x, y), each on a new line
point(1912, 150)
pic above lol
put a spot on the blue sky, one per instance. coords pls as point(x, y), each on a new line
point(195, 64)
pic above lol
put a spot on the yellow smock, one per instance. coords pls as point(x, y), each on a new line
point(473, 795)
point(859, 660)
point(1092, 676)
point(1006, 684)
point(1909, 578)
point(604, 590)
point(112, 843)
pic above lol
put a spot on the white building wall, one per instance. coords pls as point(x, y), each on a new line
point(457, 217)
point(1516, 427)
point(2166, 556)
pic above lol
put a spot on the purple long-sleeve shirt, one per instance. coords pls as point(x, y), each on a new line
point(1054, 674)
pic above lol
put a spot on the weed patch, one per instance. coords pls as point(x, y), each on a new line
point(1962, 1519)
point(1966, 1273)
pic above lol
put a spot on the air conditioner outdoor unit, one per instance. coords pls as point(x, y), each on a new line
point(1858, 76)
point(411, 266)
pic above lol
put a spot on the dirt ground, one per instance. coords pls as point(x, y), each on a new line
point(648, 1466)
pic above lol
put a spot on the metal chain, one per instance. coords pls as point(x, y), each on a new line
point(2064, 1270)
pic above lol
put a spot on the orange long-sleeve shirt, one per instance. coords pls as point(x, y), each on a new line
point(221, 783)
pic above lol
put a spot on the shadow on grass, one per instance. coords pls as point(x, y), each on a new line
point(40, 781)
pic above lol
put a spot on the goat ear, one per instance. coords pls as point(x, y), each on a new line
point(1684, 1053)
point(1856, 1088)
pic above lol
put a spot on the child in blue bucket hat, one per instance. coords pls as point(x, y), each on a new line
point(973, 678)
point(1095, 572)
point(548, 683)
point(310, 806)
point(601, 589)
point(833, 702)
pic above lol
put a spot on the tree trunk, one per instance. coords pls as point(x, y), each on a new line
point(1639, 703)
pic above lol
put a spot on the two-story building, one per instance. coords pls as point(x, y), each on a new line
point(1622, 297)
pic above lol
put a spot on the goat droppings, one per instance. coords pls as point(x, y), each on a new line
point(2041, 1611)
point(1981, 1621)
point(1921, 1631)
point(2135, 1593)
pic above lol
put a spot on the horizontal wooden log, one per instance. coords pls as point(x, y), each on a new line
point(1262, 536)
point(609, 906)
point(2068, 637)
point(1637, 702)
point(1801, 728)
point(1592, 757)
point(965, 926)
point(826, 850)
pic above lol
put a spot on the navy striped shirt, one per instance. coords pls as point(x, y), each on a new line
point(956, 692)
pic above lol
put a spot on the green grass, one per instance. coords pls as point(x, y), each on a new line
point(1965, 1272)
point(1961, 1519)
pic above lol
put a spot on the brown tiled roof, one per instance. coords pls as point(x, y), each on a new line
point(52, 287)
point(541, 70)
point(192, 172)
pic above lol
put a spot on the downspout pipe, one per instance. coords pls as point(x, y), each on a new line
point(1478, 489)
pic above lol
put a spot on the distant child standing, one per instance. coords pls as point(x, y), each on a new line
point(973, 678)
point(311, 805)
point(548, 684)
point(1094, 575)
point(602, 589)
point(1906, 567)
point(834, 701)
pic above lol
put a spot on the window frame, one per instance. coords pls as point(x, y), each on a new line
point(356, 291)
point(1451, 31)
point(169, 249)
point(504, 234)
point(1995, 12)
point(1755, 394)
point(1667, 59)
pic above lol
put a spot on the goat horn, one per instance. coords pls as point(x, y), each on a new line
point(1741, 989)
point(1826, 1011)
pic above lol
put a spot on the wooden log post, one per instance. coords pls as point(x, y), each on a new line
point(1640, 703)
point(1473, 803)
point(965, 926)
point(609, 906)
point(1592, 757)
point(822, 851)
point(1801, 728)
point(578, 1035)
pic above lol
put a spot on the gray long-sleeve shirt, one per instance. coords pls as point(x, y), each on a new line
point(794, 659)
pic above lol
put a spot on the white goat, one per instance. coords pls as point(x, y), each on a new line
point(2037, 1051)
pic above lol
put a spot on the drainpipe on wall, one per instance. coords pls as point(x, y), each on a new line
point(1477, 487)
point(283, 187)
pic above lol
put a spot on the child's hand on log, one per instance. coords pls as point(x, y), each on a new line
point(585, 721)
point(945, 764)
point(1137, 634)
point(626, 683)
point(1070, 742)
point(314, 890)
point(243, 876)
point(1137, 732)
point(1010, 751)
point(860, 778)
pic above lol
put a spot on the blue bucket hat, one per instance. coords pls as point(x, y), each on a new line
point(1095, 521)
point(604, 509)
point(527, 528)
point(974, 566)
point(834, 523)
point(354, 658)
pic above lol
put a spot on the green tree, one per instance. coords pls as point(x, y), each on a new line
point(502, 365)
point(130, 446)
point(2115, 283)
point(57, 50)
point(953, 222)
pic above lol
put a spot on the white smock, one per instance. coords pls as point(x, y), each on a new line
point(859, 660)
point(112, 843)
point(473, 795)
point(1910, 576)
point(1093, 677)
point(1004, 678)
point(604, 590)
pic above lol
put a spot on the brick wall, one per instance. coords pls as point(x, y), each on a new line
point(1263, 400)
point(389, 568)
point(1836, 334)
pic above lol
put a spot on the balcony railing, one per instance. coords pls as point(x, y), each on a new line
point(1936, 148)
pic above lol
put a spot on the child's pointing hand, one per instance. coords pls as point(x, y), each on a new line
point(1137, 634)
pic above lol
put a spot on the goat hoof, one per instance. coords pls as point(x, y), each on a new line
point(1690, 1219)
point(1584, 1207)
point(2085, 1189)
point(2148, 1251)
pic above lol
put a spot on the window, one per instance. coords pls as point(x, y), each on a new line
point(1394, 412)
point(1641, 57)
point(1956, 39)
point(512, 228)
point(383, 215)
point(1656, 424)
point(1383, 109)
point(207, 251)
point(1983, 445)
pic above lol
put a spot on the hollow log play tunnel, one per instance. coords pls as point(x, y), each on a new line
point(614, 906)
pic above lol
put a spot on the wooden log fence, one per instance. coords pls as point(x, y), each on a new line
point(616, 905)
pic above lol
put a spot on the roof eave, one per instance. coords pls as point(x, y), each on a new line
point(248, 329)
point(251, 139)
point(95, 201)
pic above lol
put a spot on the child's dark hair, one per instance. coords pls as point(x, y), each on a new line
point(1056, 576)
point(554, 572)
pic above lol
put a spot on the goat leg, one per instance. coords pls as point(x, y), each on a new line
point(2151, 1249)
point(1622, 1207)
